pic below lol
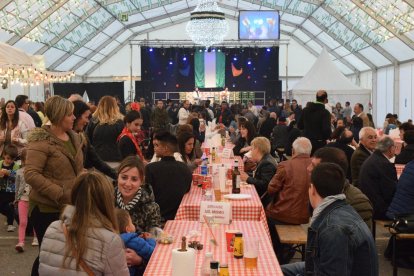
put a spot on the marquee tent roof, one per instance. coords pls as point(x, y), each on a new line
point(80, 35)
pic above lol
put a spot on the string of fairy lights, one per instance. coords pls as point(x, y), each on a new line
point(31, 76)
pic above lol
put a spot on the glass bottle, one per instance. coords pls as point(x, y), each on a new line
point(214, 265)
point(224, 270)
point(236, 179)
point(238, 246)
point(205, 267)
point(213, 155)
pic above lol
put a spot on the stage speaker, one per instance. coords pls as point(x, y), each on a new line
point(273, 89)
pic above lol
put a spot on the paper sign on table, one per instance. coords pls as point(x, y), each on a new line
point(227, 153)
point(219, 211)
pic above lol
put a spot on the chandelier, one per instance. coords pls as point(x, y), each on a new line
point(207, 25)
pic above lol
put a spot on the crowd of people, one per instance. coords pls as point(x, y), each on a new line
point(94, 180)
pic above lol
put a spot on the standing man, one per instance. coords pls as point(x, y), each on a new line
point(359, 112)
point(183, 113)
point(296, 109)
point(316, 121)
point(196, 96)
point(347, 112)
point(22, 102)
point(159, 117)
point(339, 242)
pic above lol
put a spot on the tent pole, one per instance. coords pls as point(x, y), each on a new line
point(287, 60)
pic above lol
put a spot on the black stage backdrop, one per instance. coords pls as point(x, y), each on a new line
point(172, 69)
point(95, 90)
point(167, 69)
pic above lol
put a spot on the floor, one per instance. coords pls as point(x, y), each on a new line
point(13, 263)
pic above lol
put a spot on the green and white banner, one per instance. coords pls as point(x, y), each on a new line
point(209, 69)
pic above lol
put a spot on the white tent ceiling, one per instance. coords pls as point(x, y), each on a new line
point(360, 34)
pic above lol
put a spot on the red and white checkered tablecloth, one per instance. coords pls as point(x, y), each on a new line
point(248, 209)
point(399, 168)
point(160, 263)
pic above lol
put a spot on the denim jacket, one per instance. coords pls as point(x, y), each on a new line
point(340, 243)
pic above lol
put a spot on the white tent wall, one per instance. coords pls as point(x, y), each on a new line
point(383, 97)
point(406, 97)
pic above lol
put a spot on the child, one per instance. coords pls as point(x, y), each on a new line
point(7, 187)
point(142, 245)
point(22, 201)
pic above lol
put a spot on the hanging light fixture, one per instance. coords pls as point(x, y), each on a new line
point(208, 25)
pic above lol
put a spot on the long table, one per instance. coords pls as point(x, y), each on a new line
point(161, 260)
point(248, 209)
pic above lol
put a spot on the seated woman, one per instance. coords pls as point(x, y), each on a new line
point(266, 167)
point(85, 238)
point(133, 195)
point(186, 143)
point(127, 143)
point(199, 130)
point(247, 134)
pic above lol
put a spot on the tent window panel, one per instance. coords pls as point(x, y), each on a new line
point(361, 66)
point(315, 46)
point(375, 57)
point(398, 49)
point(311, 27)
point(68, 63)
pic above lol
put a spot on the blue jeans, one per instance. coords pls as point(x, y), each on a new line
point(294, 269)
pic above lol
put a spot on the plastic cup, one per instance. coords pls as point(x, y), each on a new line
point(230, 239)
point(251, 252)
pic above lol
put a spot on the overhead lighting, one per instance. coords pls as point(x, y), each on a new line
point(207, 25)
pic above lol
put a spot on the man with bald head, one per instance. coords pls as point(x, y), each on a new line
point(316, 121)
point(367, 143)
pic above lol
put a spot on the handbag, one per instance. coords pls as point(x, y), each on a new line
point(82, 263)
point(403, 224)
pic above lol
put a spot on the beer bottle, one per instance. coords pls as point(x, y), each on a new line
point(224, 270)
point(236, 179)
point(213, 155)
point(238, 246)
point(214, 268)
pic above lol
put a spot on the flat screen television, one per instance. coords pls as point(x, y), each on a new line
point(259, 25)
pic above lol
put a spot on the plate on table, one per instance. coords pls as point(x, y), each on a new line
point(237, 196)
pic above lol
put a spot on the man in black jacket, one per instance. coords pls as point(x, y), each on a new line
point(378, 177)
point(169, 178)
point(316, 121)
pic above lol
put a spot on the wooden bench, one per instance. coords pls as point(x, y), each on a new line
point(294, 235)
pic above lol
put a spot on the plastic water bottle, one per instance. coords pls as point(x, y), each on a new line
point(204, 167)
point(208, 196)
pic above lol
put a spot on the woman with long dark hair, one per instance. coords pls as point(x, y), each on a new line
point(127, 143)
point(247, 134)
point(186, 147)
point(12, 130)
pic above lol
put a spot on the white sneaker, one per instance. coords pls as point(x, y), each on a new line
point(35, 242)
point(10, 228)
